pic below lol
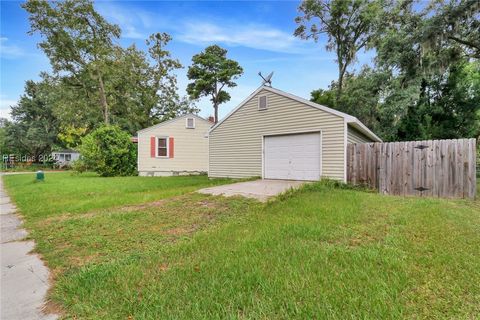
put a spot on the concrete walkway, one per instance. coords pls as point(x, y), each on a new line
point(24, 277)
point(258, 189)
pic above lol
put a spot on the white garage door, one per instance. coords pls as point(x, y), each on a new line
point(292, 157)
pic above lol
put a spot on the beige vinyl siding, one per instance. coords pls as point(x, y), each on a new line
point(236, 144)
point(190, 147)
point(355, 136)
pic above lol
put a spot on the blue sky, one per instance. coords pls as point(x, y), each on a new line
point(257, 34)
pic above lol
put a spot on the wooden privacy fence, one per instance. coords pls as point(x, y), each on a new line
point(433, 168)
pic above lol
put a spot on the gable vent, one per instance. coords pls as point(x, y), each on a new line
point(190, 123)
point(262, 103)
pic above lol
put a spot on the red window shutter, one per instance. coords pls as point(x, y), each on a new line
point(170, 147)
point(152, 147)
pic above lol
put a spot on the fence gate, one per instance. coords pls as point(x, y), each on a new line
point(433, 168)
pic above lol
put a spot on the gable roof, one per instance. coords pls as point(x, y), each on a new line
point(351, 120)
point(161, 124)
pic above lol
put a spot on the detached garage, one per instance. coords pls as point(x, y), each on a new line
point(276, 135)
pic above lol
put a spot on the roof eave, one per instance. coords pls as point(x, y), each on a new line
point(363, 128)
point(170, 121)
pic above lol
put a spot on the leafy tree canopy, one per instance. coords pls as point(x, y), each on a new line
point(34, 128)
point(348, 24)
point(77, 40)
point(211, 72)
point(98, 80)
point(424, 81)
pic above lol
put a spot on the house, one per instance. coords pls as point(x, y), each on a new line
point(174, 147)
point(64, 158)
point(276, 135)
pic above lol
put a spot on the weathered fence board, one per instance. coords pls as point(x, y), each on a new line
point(433, 168)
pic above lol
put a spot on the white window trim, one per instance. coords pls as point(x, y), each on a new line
point(186, 123)
point(167, 144)
point(266, 102)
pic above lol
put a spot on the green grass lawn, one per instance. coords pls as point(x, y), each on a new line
point(147, 248)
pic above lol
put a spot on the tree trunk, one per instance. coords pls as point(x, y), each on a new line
point(215, 103)
point(341, 74)
point(215, 108)
point(103, 100)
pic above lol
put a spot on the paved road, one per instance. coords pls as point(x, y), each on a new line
point(24, 277)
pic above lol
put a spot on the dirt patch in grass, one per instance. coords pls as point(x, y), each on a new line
point(181, 231)
point(162, 205)
point(51, 307)
point(164, 267)
point(77, 240)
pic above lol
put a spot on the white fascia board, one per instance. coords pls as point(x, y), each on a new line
point(158, 125)
point(363, 129)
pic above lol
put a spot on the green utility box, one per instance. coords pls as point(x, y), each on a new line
point(40, 176)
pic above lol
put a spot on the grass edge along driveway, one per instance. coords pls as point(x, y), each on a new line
point(320, 252)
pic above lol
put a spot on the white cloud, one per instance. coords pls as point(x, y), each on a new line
point(6, 103)
point(5, 106)
point(132, 33)
point(130, 21)
point(138, 24)
point(253, 35)
point(10, 51)
point(5, 113)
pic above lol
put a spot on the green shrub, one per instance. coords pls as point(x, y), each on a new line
point(79, 166)
point(109, 152)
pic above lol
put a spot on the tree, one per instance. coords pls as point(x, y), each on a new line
point(362, 95)
point(349, 25)
point(211, 72)
point(34, 128)
point(109, 152)
point(456, 23)
point(78, 41)
point(325, 97)
point(448, 106)
point(98, 80)
point(71, 136)
point(5, 149)
point(425, 66)
point(168, 104)
point(425, 80)
point(145, 93)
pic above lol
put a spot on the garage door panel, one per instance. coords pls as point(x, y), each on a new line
point(292, 157)
point(297, 165)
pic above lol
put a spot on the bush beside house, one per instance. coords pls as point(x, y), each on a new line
point(109, 152)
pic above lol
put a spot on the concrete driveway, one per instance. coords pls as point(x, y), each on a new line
point(24, 277)
point(258, 189)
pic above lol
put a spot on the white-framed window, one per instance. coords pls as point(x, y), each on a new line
point(190, 123)
point(262, 103)
point(162, 147)
point(68, 157)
